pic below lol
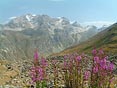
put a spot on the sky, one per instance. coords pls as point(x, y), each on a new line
point(83, 11)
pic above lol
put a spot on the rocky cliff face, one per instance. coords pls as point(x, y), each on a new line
point(21, 35)
point(105, 40)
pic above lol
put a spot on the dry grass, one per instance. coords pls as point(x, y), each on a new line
point(5, 74)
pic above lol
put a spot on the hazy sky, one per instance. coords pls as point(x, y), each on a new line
point(83, 11)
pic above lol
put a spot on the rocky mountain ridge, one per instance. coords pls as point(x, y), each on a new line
point(105, 40)
point(22, 35)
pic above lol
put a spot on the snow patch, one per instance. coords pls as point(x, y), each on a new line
point(28, 18)
point(98, 24)
point(77, 30)
point(34, 15)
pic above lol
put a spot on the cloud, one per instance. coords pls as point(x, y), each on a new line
point(12, 18)
point(98, 23)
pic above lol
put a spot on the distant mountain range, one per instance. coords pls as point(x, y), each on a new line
point(106, 40)
point(22, 35)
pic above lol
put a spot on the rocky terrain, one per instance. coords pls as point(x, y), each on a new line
point(15, 74)
point(106, 40)
point(21, 35)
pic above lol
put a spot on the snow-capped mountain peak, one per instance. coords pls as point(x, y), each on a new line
point(43, 32)
point(29, 17)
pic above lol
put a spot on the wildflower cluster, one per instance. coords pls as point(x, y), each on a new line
point(102, 70)
point(38, 71)
point(74, 71)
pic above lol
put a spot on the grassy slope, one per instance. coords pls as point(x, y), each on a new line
point(107, 40)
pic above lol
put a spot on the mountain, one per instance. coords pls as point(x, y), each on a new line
point(106, 40)
point(21, 35)
point(102, 28)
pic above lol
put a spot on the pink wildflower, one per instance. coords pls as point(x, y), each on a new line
point(94, 52)
point(95, 69)
point(86, 75)
point(96, 59)
point(36, 55)
point(43, 62)
point(78, 58)
point(103, 63)
point(36, 74)
point(111, 66)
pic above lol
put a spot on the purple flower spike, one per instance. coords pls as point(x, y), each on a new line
point(111, 66)
point(78, 58)
point(96, 59)
point(86, 75)
point(95, 69)
point(103, 63)
point(43, 62)
point(94, 52)
point(36, 55)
